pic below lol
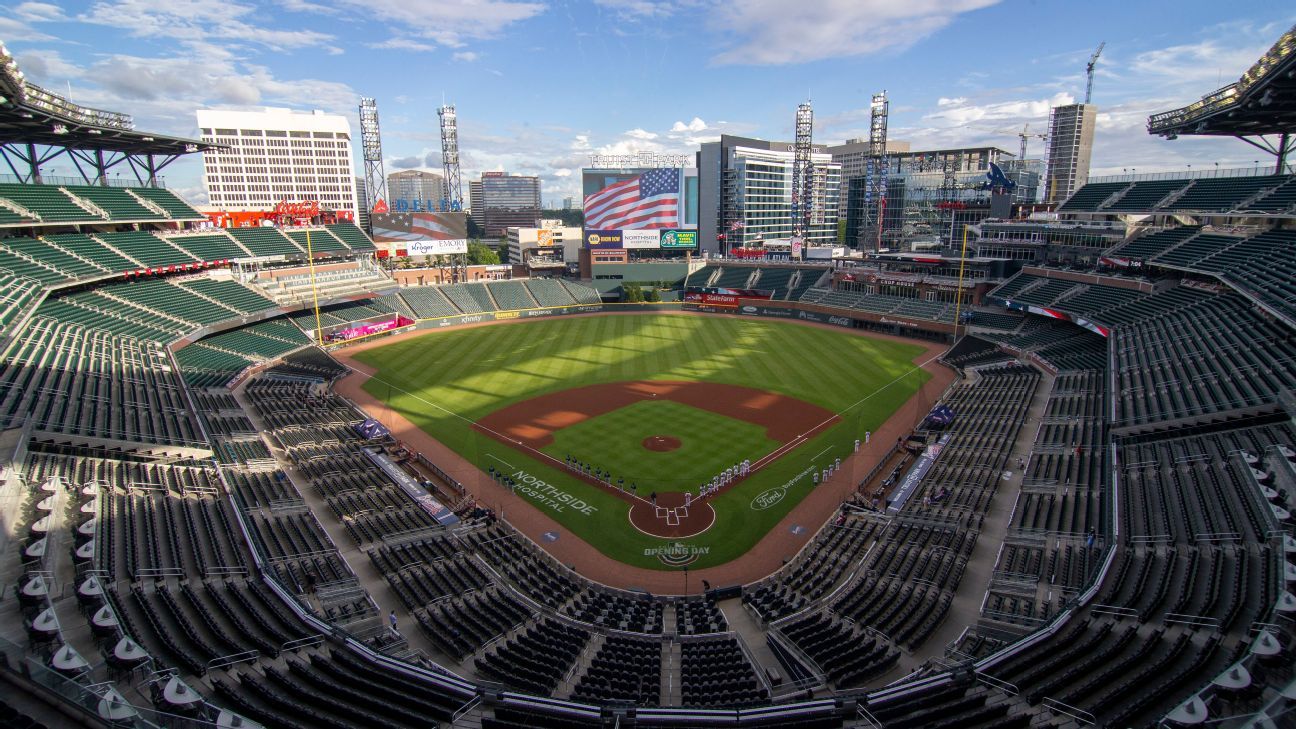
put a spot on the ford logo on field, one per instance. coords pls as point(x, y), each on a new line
point(767, 498)
point(749, 309)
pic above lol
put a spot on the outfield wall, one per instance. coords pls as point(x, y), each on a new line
point(849, 319)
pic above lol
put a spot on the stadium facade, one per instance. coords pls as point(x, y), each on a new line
point(277, 155)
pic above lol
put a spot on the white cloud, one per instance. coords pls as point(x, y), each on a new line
point(35, 12)
point(16, 31)
point(448, 23)
point(466, 56)
point(961, 111)
point(641, 134)
point(637, 9)
point(697, 125)
point(403, 44)
point(197, 20)
point(47, 64)
point(771, 32)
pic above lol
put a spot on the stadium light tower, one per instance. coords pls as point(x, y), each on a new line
point(876, 168)
point(450, 157)
point(371, 141)
point(802, 174)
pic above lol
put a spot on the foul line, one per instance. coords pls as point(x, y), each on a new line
point(519, 444)
point(765, 460)
point(501, 460)
point(782, 450)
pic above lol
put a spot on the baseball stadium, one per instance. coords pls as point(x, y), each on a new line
point(256, 476)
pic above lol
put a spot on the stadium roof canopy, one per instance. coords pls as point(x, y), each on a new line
point(1262, 102)
point(32, 117)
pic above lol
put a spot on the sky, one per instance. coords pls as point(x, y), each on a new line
point(540, 85)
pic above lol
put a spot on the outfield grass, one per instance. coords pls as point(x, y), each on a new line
point(445, 380)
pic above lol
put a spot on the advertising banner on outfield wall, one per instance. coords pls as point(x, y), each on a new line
point(640, 239)
point(603, 240)
point(722, 297)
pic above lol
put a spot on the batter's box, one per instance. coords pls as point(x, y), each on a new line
point(663, 512)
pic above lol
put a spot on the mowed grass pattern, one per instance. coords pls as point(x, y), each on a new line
point(614, 443)
point(445, 380)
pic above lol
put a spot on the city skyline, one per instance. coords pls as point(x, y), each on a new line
point(655, 76)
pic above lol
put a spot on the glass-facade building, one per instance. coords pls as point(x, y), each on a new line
point(506, 201)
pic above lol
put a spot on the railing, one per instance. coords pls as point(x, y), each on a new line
point(102, 182)
point(1191, 174)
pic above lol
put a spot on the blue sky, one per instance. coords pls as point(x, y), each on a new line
point(541, 84)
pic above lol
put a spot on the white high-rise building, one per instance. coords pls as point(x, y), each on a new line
point(745, 194)
point(278, 155)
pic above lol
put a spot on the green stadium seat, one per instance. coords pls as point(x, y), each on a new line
point(1089, 197)
point(321, 241)
point(210, 246)
point(94, 251)
point(549, 292)
point(511, 295)
point(352, 236)
point(265, 242)
point(14, 263)
point(230, 293)
point(176, 208)
point(146, 248)
point(116, 201)
point(428, 302)
point(53, 256)
point(48, 202)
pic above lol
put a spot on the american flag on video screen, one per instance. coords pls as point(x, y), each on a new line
point(650, 200)
point(395, 227)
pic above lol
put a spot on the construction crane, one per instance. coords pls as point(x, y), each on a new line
point(1025, 134)
point(1089, 69)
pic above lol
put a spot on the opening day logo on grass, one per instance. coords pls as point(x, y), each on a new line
point(677, 554)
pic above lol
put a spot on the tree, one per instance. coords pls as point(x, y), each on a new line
point(474, 230)
point(632, 293)
point(479, 254)
point(654, 295)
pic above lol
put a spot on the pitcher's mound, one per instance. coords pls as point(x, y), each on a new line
point(661, 443)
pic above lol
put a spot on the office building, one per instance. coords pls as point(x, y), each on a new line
point(278, 155)
point(416, 186)
point(745, 194)
point(1071, 133)
point(362, 200)
point(500, 201)
point(476, 205)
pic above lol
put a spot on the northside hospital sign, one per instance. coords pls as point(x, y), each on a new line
point(550, 496)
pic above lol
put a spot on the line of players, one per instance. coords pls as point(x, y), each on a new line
point(719, 481)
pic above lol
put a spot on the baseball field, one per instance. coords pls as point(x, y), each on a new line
point(612, 425)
